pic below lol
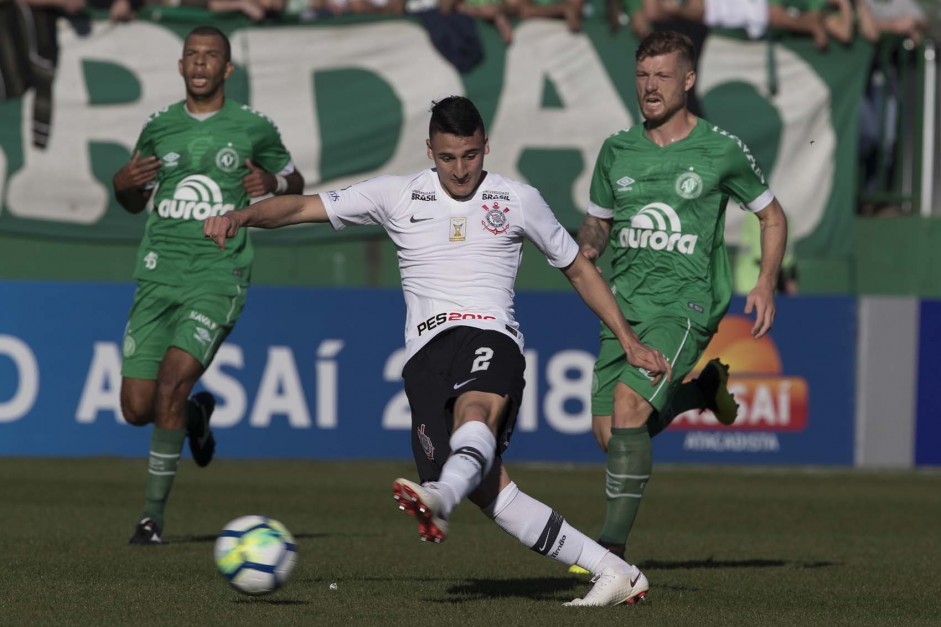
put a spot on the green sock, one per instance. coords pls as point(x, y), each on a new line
point(686, 397)
point(626, 477)
point(165, 448)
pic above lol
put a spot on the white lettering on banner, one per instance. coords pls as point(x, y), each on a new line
point(280, 392)
point(397, 414)
point(230, 411)
point(591, 110)
point(766, 407)
point(327, 383)
point(566, 406)
point(528, 417)
point(397, 52)
point(27, 379)
point(805, 110)
point(736, 442)
point(563, 388)
point(102, 389)
point(76, 196)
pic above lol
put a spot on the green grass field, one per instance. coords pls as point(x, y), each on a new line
point(721, 546)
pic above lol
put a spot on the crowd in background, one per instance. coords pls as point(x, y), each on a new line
point(822, 20)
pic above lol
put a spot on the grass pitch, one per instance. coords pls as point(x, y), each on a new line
point(721, 546)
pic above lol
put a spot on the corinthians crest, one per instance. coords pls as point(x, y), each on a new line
point(495, 221)
point(426, 444)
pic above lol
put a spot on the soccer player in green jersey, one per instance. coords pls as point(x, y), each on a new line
point(658, 197)
point(200, 157)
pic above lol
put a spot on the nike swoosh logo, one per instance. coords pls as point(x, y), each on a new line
point(413, 219)
point(634, 580)
point(460, 385)
point(545, 546)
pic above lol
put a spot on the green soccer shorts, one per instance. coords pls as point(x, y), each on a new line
point(193, 318)
point(681, 341)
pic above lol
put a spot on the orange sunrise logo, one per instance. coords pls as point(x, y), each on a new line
point(768, 399)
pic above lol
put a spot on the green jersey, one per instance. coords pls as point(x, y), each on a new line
point(202, 167)
point(667, 205)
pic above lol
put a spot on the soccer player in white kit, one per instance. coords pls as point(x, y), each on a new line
point(459, 231)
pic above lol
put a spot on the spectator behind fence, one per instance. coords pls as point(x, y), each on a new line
point(879, 22)
point(496, 12)
point(118, 10)
point(628, 12)
point(255, 10)
point(821, 19)
point(896, 17)
point(359, 7)
point(42, 50)
point(568, 10)
point(14, 49)
point(749, 15)
point(453, 34)
point(802, 17)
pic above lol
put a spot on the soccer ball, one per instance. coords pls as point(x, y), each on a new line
point(256, 554)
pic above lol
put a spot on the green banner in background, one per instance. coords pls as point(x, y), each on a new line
point(352, 101)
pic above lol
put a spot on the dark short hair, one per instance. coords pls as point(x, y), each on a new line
point(212, 31)
point(455, 115)
point(664, 42)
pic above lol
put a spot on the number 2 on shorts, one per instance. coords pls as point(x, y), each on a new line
point(484, 355)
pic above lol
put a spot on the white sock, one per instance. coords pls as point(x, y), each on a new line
point(473, 448)
point(545, 531)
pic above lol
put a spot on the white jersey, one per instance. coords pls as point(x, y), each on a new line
point(458, 259)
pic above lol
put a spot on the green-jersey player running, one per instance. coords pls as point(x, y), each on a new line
point(200, 157)
point(658, 198)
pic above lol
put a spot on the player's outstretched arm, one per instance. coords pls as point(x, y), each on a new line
point(773, 225)
point(258, 182)
point(583, 276)
point(271, 213)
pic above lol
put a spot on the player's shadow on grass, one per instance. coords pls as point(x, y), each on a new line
point(540, 589)
point(711, 562)
point(549, 588)
point(204, 539)
point(269, 601)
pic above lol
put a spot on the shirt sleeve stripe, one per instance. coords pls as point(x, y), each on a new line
point(761, 202)
point(600, 212)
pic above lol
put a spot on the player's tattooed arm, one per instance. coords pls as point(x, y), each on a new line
point(593, 237)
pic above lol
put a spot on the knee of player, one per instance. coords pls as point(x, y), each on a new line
point(136, 414)
point(475, 407)
point(630, 408)
point(172, 392)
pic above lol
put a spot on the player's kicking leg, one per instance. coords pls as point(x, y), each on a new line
point(543, 530)
point(709, 391)
point(425, 505)
point(473, 449)
point(714, 381)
